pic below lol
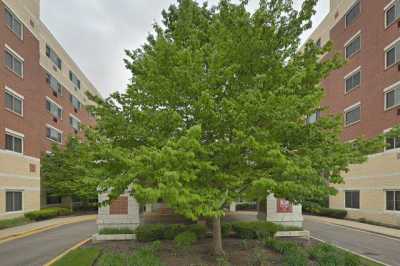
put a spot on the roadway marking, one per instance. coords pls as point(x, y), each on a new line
point(54, 260)
point(42, 229)
point(352, 252)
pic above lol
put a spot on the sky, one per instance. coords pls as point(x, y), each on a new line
point(96, 33)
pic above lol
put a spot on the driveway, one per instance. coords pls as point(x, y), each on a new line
point(40, 248)
point(378, 247)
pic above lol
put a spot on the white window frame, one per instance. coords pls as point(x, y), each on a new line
point(16, 95)
point(16, 134)
point(359, 199)
point(58, 130)
point(355, 36)
point(16, 18)
point(351, 108)
point(386, 9)
point(77, 119)
point(56, 104)
point(22, 201)
point(389, 47)
point(55, 54)
point(386, 91)
point(349, 75)
point(385, 149)
point(348, 11)
point(385, 207)
point(20, 58)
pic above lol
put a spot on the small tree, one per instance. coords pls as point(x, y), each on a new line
point(216, 108)
point(65, 171)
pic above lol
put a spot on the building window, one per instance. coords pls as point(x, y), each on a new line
point(13, 23)
point(54, 108)
point(75, 80)
point(313, 118)
point(353, 81)
point(392, 13)
point(54, 84)
point(392, 143)
point(353, 13)
point(352, 199)
point(352, 115)
point(392, 54)
point(392, 97)
point(75, 102)
point(75, 123)
point(50, 53)
point(54, 134)
point(13, 63)
point(13, 102)
point(353, 46)
point(13, 201)
point(14, 143)
point(393, 200)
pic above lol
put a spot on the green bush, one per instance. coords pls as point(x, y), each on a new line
point(297, 258)
point(254, 230)
point(116, 231)
point(326, 254)
point(185, 240)
point(7, 223)
point(294, 255)
point(226, 229)
point(152, 232)
point(48, 213)
point(327, 212)
point(281, 246)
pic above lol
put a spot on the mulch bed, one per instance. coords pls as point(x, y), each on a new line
point(238, 252)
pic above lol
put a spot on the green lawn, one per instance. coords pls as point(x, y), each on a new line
point(13, 222)
point(81, 257)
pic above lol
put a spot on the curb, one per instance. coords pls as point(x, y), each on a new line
point(51, 262)
point(42, 229)
point(352, 252)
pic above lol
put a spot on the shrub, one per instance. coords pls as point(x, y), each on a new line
point(297, 258)
point(333, 213)
point(185, 240)
point(326, 254)
point(254, 230)
point(48, 213)
point(146, 256)
point(7, 223)
point(280, 246)
point(116, 231)
point(293, 254)
point(226, 229)
point(246, 206)
point(258, 258)
point(152, 232)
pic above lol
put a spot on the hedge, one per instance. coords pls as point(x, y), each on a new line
point(254, 230)
point(152, 232)
point(333, 213)
point(47, 213)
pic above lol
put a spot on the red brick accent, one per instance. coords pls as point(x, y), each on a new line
point(119, 206)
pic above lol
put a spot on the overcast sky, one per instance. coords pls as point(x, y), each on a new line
point(96, 33)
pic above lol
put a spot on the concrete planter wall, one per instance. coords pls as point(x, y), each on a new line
point(122, 237)
point(295, 234)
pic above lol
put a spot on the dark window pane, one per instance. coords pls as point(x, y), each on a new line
point(17, 67)
point(17, 28)
point(348, 199)
point(390, 15)
point(9, 143)
point(390, 57)
point(390, 98)
point(353, 81)
point(356, 200)
point(390, 200)
point(9, 18)
point(9, 101)
point(353, 13)
point(18, 145)
point(17, 201)
point(9, 201)
point(9, 60)
point(353, 47)
point(353, 116)
point(17, 106)
point(390, 143)
point(397, 200)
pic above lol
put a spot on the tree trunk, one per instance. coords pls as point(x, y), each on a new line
point(217, 237)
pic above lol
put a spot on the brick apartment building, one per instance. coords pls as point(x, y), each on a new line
point(42, 101)
point(367, 92)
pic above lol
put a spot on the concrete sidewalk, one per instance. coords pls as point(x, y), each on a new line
point(36, 227)
point(386, 231)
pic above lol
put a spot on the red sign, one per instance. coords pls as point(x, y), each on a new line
point(284, 206)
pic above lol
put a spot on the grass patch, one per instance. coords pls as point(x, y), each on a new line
point(81, 257)
point(8, 223)
point(116, 231)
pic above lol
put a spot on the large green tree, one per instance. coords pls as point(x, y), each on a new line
point(216, 109)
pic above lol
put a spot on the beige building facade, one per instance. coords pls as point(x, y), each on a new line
point(43, 100)
point(366, 91)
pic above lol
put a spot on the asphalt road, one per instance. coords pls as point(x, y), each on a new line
point(40, 248)
point(381, 248)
